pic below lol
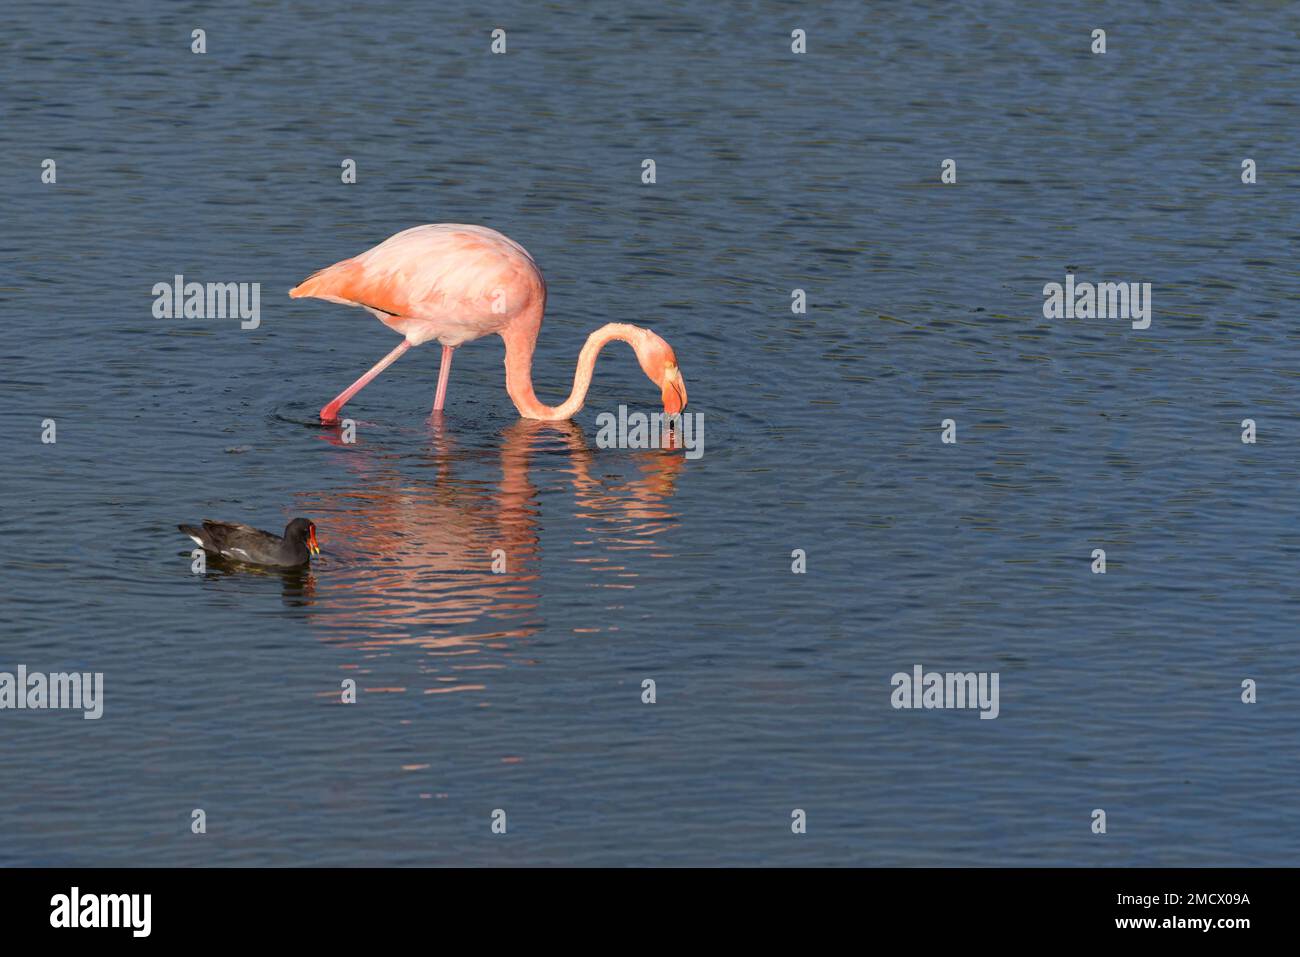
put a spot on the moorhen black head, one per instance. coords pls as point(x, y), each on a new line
point(252, 546)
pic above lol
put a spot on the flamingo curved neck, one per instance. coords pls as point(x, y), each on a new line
point(519, 376)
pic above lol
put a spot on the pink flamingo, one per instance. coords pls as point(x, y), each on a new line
point(455, 283)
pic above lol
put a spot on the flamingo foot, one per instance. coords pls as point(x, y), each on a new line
point(329, 415)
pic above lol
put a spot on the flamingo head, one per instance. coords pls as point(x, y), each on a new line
point(659, 363)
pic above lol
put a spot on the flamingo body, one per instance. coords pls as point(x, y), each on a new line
point(446, 281)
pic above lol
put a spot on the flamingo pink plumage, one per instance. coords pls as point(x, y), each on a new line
point(454, 283)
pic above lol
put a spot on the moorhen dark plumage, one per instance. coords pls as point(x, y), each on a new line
point(243, 543)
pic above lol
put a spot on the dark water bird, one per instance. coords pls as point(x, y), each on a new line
point(243, 543)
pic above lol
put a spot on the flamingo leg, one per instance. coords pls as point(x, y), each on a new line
point(444, 374)
point(331, 412)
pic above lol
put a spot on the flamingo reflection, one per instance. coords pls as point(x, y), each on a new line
point(449, 566)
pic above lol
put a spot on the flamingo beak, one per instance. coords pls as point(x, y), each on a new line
point(311, 542)
point(673, 391)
